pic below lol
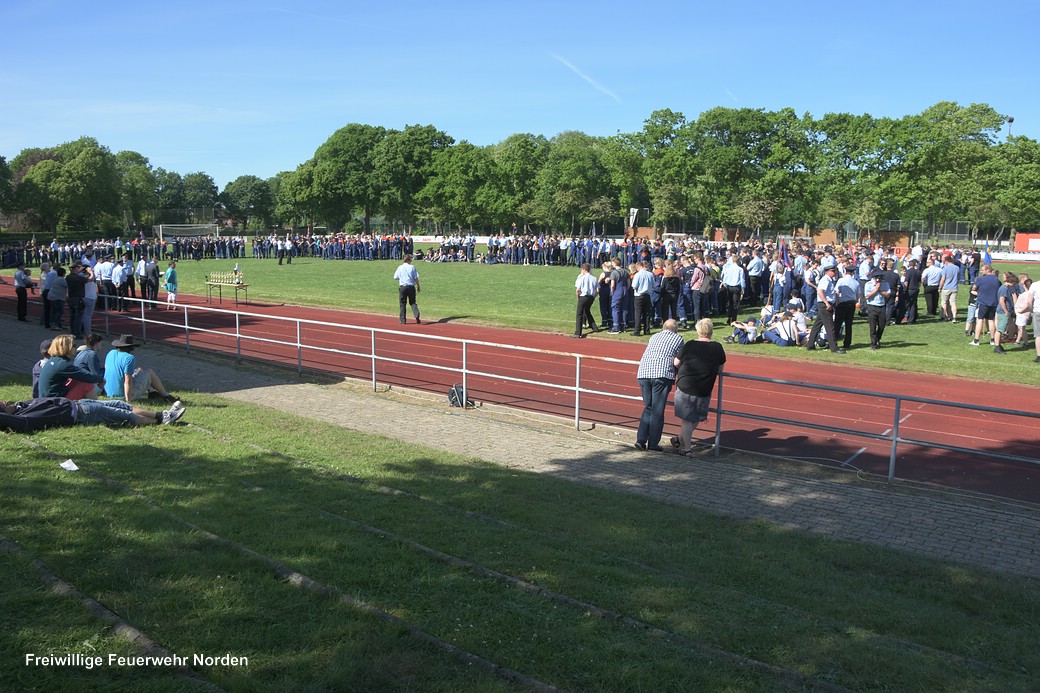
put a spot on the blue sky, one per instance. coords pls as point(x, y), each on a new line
point(231, 87)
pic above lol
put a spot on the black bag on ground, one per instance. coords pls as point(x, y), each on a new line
point(457, 397)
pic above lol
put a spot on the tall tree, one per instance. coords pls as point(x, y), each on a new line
point(249, 198)
point(169, 190)
point(296, 197)
point(667, 166)
point(573, 181)
point(943, 146)
point(200, 192)
point(403, 161)
point(73, 185)
point(137, 185)
point(519, 158)
point(730, 147)
point(623, 157)
point(460, 184)
point(343, 173)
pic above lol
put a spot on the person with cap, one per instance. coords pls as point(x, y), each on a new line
point(656, 375)
point(876, 293)
point(931, 277)
point(585, 288)
point(826, 302)
point(120, 277)
point(106, 290)
point(23, 283)
point(783, 332)
point(51, 412)
point(124, 379)
point(848, 288)
point(128, 264)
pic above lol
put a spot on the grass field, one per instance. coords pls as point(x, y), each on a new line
point(712, 603)
point(542, 299)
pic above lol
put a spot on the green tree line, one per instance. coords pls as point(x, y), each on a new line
point(729, 167)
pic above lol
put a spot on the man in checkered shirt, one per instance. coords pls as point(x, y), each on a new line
point(656, 375)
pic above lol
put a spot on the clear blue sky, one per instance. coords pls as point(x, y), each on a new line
point(231, 87)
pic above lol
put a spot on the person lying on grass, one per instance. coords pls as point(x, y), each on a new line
point(48, 412)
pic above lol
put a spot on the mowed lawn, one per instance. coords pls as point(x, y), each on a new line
point(188, 533)
point(542, 299)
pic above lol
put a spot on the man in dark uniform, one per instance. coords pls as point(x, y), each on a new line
point(912, 288)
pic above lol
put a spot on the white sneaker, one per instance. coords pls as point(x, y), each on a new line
point(171, 415)
point(177, 406)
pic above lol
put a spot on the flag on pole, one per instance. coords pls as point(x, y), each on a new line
point(785, 257)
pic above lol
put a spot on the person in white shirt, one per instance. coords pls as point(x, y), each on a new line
point(585, 288)
point(408, 285)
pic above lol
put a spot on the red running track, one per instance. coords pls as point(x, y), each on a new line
point(967, 430)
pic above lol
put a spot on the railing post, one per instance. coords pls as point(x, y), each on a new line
point(299, 349)
point(373, 360)
point(238, 337)
point(144, 325)
point(577, 392)
point(895, 441)
point(465, 380)
point(718, 417)
point(187, 332)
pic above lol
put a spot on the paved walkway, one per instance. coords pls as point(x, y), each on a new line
point(956, 527)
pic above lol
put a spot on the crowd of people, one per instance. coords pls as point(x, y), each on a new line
point(68, 385)
point(801, 295)
point(93, 281)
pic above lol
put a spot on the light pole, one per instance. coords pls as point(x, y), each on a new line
point(1010, 120)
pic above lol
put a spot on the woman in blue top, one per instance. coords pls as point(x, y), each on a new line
point(170, 282)
point(88, 357)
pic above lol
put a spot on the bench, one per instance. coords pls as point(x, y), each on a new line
point(219, 280)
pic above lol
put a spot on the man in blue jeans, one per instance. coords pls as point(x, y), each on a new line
point(656, 375)
point(48, 412)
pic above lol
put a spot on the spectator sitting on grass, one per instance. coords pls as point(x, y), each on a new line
point(784, 332)
point(124, 379)
point(743, 332)
point(45, 346)
point(60, 377)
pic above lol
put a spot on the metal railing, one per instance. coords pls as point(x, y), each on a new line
point(892, 436)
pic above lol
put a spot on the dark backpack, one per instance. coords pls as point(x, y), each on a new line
point(457, 396)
